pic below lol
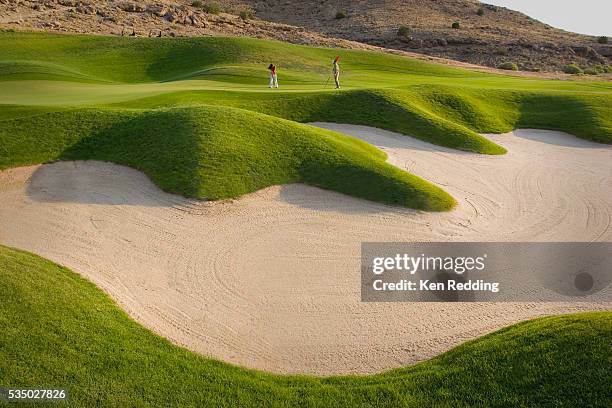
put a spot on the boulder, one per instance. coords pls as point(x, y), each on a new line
point(170, 16)
point(605, 51)
point(85, 9)
point(157, 9)
point(584, 51)
point(194, 20)
point(416, 43)
point(406, 38)
point(132, 7)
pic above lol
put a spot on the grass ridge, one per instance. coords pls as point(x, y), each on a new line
point(212, 152)
point(57, 328)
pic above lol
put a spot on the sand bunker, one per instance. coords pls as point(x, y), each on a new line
point(271, 280)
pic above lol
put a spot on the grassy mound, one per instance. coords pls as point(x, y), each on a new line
point(396, 110)
point(216, 152)
point(20, 70)
point(131, 60)
point(57, 329)
point(443, 115)
point(75, 96)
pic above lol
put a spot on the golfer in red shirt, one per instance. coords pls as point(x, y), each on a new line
point(273, 77)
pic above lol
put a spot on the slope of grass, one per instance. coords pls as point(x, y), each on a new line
point(216, 152)
point(76, 96)
point(59, 330)
point(13, 70)
point(122, 59)
point(388, 109)
point(444, 115)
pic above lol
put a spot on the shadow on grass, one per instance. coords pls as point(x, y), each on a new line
point(163, 145)
point(565, 114)
point(180, 58)
point(384, 110)
point(209, 153)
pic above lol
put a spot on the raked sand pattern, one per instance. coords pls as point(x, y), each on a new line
point(272, 280)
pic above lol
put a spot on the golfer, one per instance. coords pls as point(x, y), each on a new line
point(273, 77)
point(336, 71)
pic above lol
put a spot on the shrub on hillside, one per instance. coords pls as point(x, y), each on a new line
point(197, 3)
point(246, 14)
point(509, 66)
point(591, 71)
point(602, 40)
point(404, 31)
point(456, 25)
point(480, 11)
point(211, 7)
point(340, 14)
point(573, 69)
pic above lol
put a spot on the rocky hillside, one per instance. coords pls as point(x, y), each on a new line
point(485, 35)
point(147, 18)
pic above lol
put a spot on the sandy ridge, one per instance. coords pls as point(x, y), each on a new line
point(271, 280)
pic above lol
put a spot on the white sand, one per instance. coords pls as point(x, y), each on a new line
point(271, 280)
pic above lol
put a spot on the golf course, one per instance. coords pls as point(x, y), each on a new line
point(175, 233)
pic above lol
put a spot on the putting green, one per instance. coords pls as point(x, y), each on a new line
point(73, 96)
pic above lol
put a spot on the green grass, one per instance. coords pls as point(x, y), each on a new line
point(206, 102)
point(195, 115)
point(58, 330)
point(216, 152)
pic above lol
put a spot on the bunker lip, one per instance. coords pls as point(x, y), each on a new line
point(271, 280)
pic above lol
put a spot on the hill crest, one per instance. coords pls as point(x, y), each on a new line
point(486, 38)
